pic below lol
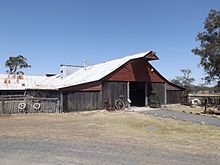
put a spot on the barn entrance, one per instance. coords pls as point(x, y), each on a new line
point(137, 93)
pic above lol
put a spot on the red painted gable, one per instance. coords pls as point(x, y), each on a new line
point(136, 70)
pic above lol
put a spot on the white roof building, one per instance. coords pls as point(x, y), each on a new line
point(19, 82)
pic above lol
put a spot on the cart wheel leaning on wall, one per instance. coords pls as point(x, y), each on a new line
point(36, 106)
point(22, 106)
point(119, 104)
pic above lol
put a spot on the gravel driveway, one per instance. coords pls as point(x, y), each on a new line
point(43, 152)
point(184, 116)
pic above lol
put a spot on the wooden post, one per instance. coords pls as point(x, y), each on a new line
point(146, 94)
point(165, 94)
point(128, 95)
point(2, 107)
point(61, 102)
point(26, 102)
point(206, 103)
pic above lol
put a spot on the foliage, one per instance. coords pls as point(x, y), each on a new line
point(203, 88)
point(184, 80)
point(209, 49)
point(16, 63)
point(176, 81)
point(217, 88)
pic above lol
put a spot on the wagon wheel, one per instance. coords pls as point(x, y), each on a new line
point(36, 106)
point(22, 106)
point(119, 104)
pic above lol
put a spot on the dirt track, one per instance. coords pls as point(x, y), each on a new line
point(35, 152)
point(105, 138)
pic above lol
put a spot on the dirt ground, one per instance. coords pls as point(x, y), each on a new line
point(121, 129)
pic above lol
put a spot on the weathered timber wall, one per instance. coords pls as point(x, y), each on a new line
point(173, 96)
point(43, 93)
point(11, 105)
point(92, 86)
point(159, 89)
point(112, 91)
point(148, 90)
point(12, 92)
point(82, 101)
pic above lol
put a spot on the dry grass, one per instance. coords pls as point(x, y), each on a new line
point(123, 127)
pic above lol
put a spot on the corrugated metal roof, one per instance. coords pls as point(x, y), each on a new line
point(19, 82)
point(90, 74)
point(50, 83)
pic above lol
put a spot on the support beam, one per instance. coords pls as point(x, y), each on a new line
point(165, 94)
point(61, 102)
point(128, 95)
point(146, 94)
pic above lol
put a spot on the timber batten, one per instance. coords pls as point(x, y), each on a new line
point(112, 91)
point(82, 101)
point(92, 86)
point(12, 105)
point(159, 89)
point(174, 96)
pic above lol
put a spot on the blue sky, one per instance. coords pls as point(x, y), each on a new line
point(54, 32)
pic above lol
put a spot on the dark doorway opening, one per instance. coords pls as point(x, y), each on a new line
point(137, 93)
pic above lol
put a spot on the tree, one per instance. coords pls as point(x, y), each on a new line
point(16, 63)
point(176, 81)
point(209, 49)
point(217, 88)
point(184, 80)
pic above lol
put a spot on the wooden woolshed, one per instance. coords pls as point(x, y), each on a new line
point(131, 78)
